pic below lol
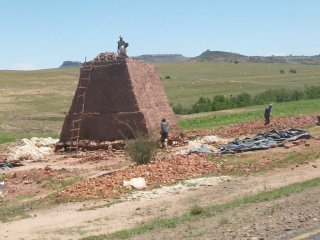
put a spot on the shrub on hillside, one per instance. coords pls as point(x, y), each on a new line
point(202, 105)
point(179, 109)
point(297, 95)
point(242, 100)
point(196, 210)
point(220, 102)
point(278, 95)
point(141, 149)
point(312, 92)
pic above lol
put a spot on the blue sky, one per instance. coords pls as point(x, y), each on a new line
point(38, 34)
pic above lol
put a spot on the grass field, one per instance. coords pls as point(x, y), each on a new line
point(191, 79)
point(218, 119)
point(34, 103)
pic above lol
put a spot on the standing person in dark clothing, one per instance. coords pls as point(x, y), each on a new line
point(267, 113)
point(122, 48)
point(120, 43)
point(164, 131)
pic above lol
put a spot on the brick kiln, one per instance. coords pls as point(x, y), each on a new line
point(115, 98)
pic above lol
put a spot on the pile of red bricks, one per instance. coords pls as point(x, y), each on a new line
point(156, 173)
point(254, 127)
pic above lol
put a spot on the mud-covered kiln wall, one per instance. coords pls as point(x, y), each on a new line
point(109, 90)
point(110, 105)
point(122, 98)
point(151, 96)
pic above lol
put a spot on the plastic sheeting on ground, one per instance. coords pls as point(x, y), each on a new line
point(201, 149)
point(264, 141)
point(196, 144)
point(8, 165)
point(5, 166)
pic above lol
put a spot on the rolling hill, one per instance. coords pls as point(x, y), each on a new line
point(162, 58)
point(235, 57)
point(217, 56)
point(220, 56)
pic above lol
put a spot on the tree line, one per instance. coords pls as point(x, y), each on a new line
point(221, 102)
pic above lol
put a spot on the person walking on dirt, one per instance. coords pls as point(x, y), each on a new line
point(164, 131)
point(267, 113)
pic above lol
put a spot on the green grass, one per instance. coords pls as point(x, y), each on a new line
point(34, 103)
point(11, 137)
point(240, 164)
point(219, 119)
point(196, 210)
point(23, 206)
point(292, 158)
point(210, 211)
point(106, 205)
point(19, 208)
point(56, 184)
point(189, 80)
point(2, 177)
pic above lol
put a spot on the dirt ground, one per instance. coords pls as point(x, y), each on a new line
point(278, 219)
point(67, 222)
point(93, 200)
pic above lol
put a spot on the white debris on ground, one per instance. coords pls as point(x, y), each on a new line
point(180, 187)
point(196, 143)
point(137, 183)
point(33, 149)
point(2, 186)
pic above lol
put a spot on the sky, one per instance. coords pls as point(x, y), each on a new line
point(39, 34)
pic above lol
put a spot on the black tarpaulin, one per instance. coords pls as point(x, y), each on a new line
point(264, 140)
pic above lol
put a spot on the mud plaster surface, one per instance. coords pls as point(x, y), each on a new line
point(122, 97)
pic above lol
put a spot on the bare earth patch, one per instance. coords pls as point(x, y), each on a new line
point(66, 222)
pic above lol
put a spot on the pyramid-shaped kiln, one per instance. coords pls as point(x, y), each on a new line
point(115, 99)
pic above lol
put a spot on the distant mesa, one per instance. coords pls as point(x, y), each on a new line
point(67, 64)
point(236, 58)
point(162, 58)
point(220, 56)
